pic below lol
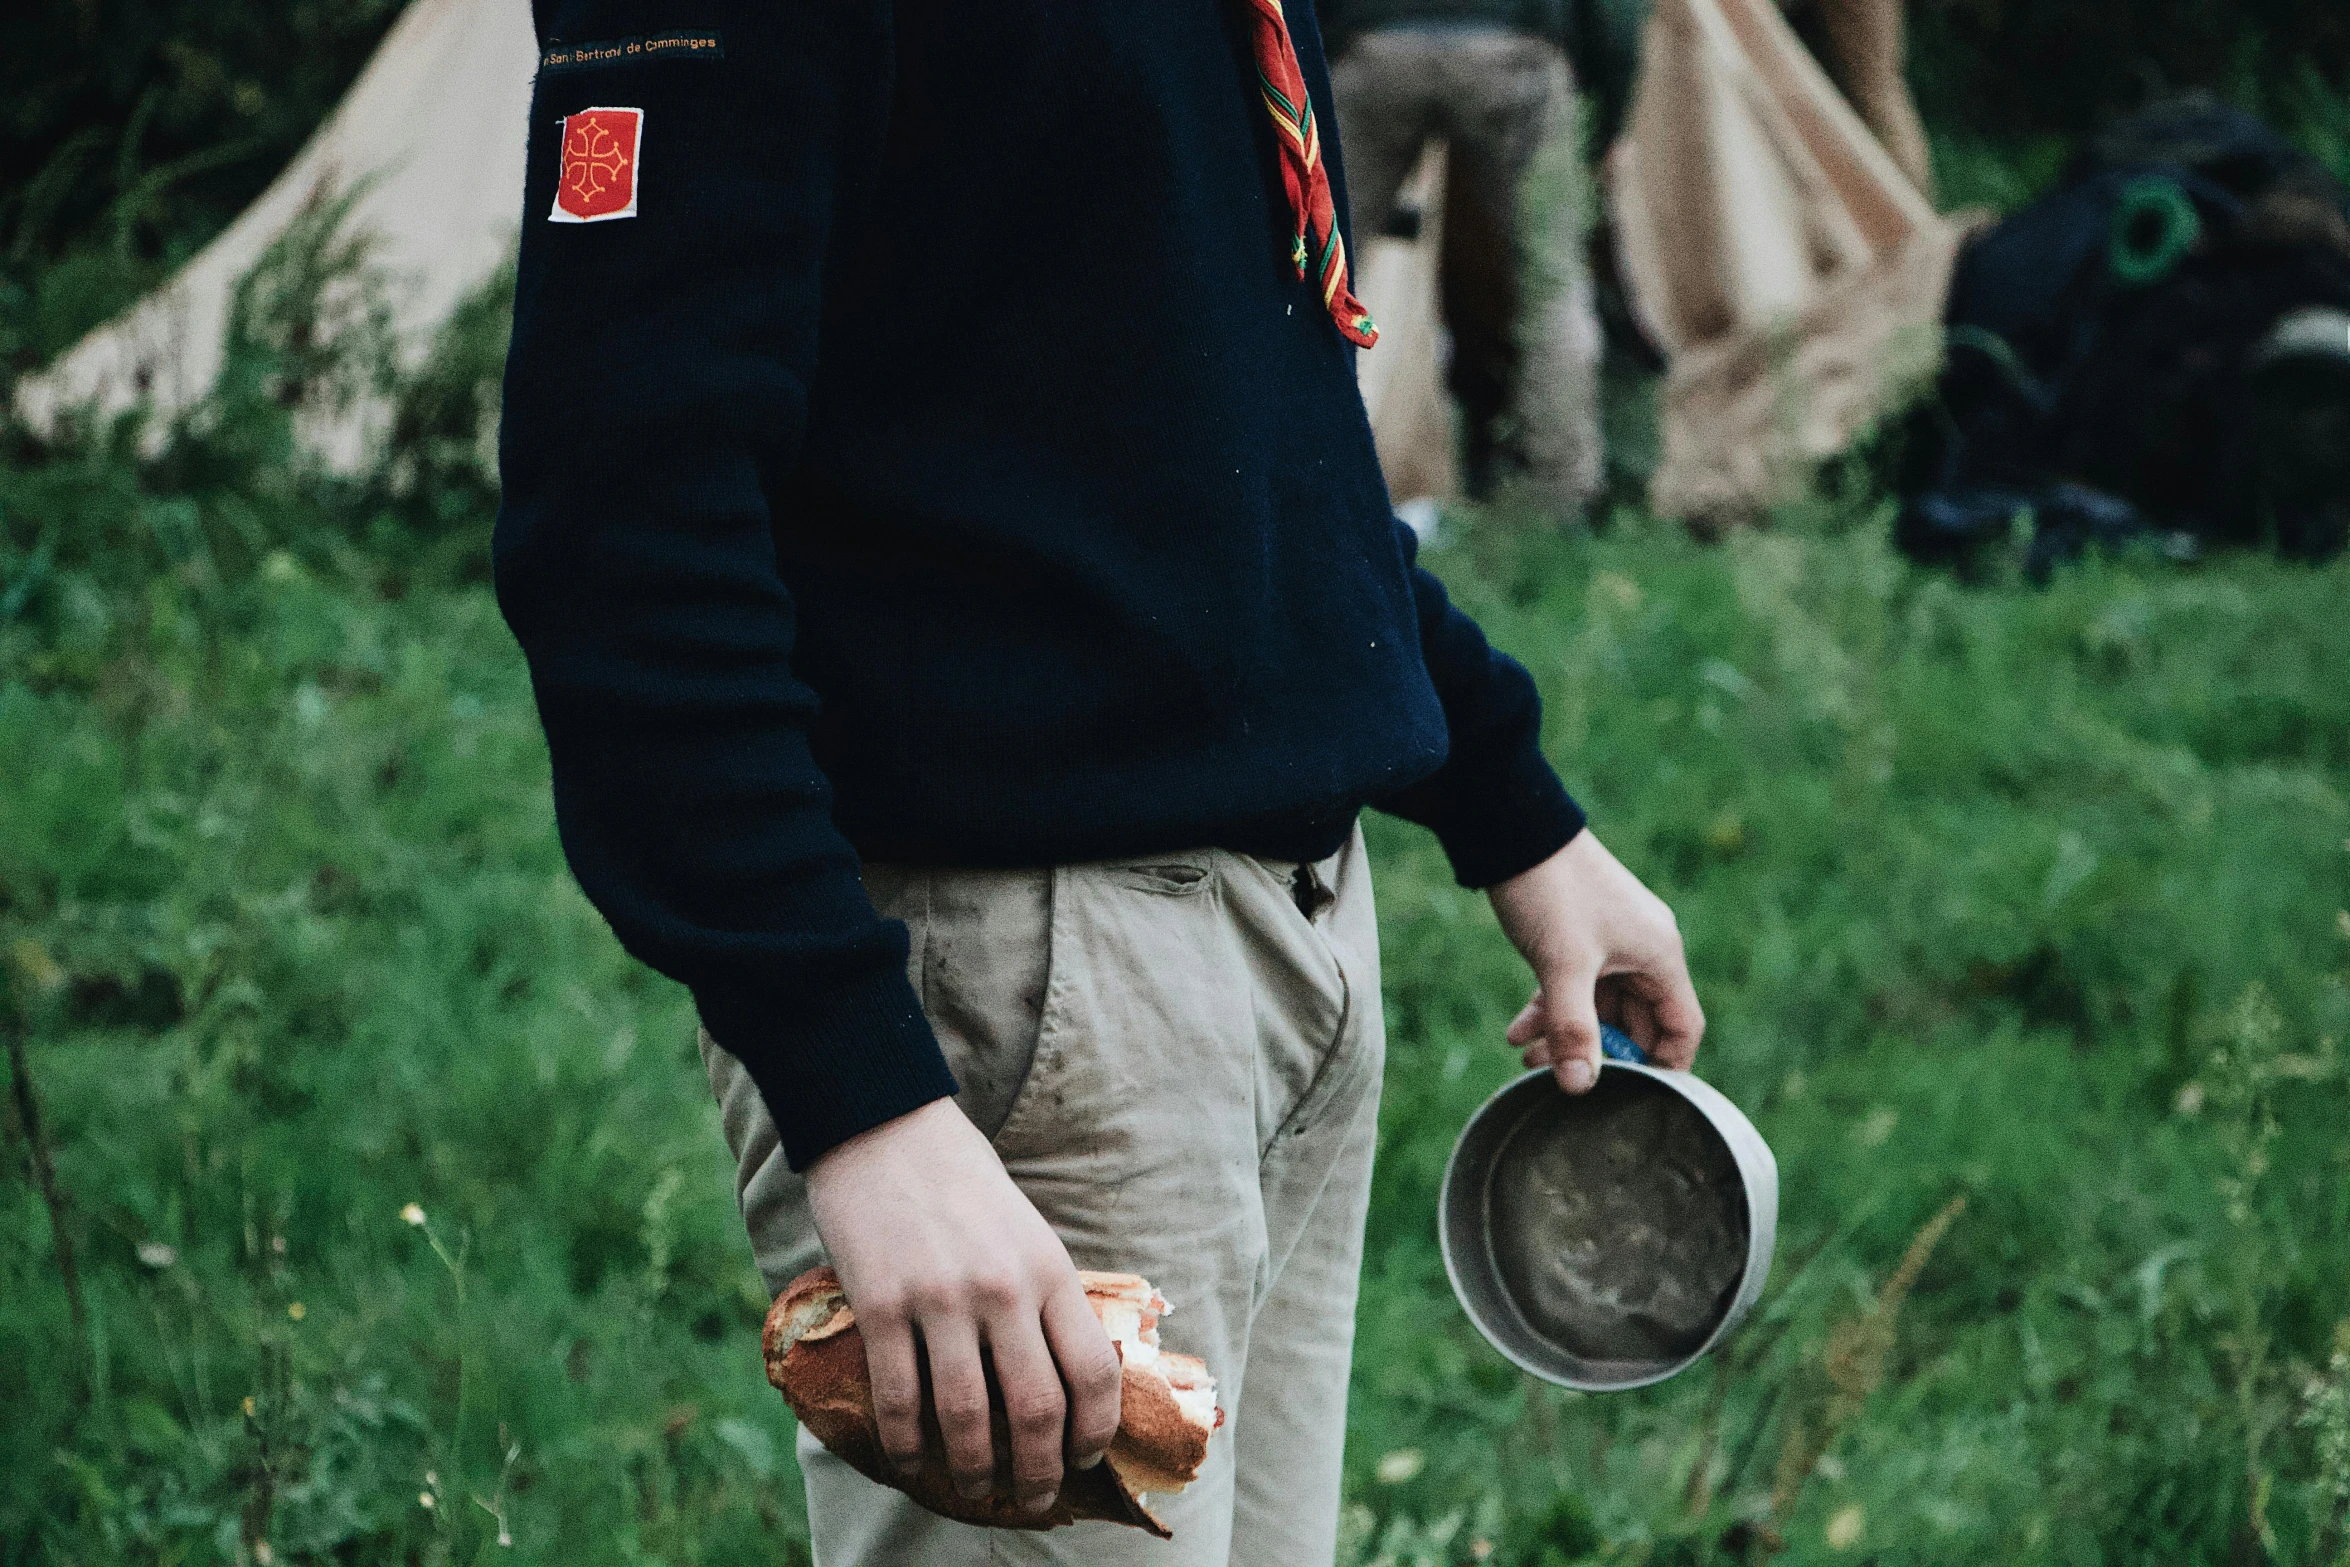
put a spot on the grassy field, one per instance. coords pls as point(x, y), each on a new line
point(403, 1229)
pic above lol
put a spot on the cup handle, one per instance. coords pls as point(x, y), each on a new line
point(1617, 1045)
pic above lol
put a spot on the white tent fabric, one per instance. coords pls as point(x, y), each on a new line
point(1402, 379)
point(1791, 273)
point(431, 136)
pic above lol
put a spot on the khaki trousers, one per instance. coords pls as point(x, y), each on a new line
point(1178, 1060)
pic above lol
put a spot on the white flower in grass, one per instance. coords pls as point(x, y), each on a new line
point(1846, 1528)
point(412, 1214)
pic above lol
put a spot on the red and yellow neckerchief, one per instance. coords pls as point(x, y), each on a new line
point(1303, 173)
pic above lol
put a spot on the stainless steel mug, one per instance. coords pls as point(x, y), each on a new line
point(1608, 1240)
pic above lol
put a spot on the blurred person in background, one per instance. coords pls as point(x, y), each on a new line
point(1521, 293)
point(1490, 78)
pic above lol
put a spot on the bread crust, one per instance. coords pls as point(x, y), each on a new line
point(816, 1358)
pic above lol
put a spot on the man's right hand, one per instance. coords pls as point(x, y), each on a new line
point(941, 1254)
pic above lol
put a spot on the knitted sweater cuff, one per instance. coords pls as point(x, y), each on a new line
point(1498, 818)
point(834, 1065)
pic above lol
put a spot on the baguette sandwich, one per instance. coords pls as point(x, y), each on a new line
point(1167, 1409)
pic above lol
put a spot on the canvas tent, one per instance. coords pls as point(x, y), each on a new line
point(428, 147)
point(1793, 276)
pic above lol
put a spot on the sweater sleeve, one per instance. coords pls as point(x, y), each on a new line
point(655, 409)
point(1495, 804)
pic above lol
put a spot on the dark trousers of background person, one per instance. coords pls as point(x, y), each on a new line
point(1517, 295)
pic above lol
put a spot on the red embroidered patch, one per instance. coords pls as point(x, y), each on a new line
point(600, 152)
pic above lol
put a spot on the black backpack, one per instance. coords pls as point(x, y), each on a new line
point(2160, 343)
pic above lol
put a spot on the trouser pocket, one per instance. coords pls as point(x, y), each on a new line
point(1144, 1024)
point(980, 954)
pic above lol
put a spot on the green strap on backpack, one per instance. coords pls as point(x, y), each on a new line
point(2155, 227)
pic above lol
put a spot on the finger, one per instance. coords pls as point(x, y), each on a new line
point(958, 1389)
point(1089, 1368)
point(897, 1385)
point(1572, 1027)
point(1623, 1004)
point(1680, 1021)
point(1526, 1027)
point(1613, 998)
point(1035, 1408)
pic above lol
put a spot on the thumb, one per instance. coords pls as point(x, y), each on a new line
point(1572, 1026)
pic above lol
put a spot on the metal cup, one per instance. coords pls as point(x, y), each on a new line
point(1608, 1240)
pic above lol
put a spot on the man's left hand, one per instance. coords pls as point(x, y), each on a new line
point(1601, 946)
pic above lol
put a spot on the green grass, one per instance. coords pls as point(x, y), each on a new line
point(1978, 887)
point(1977, 883)
point(2027, 898)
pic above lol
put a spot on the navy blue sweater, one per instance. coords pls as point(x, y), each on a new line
point(944, 464)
